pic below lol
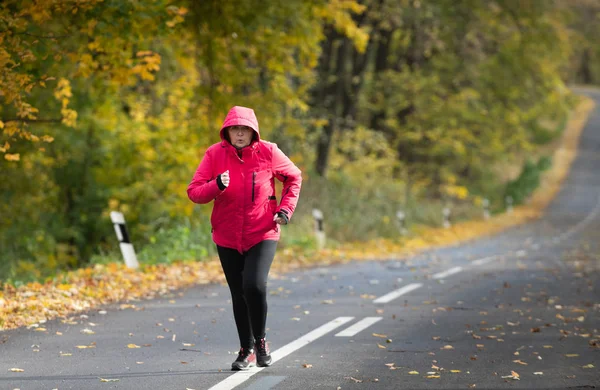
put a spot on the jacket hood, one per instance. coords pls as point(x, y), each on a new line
point(240, 116)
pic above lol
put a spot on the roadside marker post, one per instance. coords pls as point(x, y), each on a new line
point(126, 246)
point(401, 216)
point(446, 214)
point(509, 204)
point(319, 232)
point(486, 209)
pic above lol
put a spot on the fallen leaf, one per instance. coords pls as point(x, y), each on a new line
point(327, 302)
point(570, 355)
point(354, 379)
point(108, 380)
point(538, 373)
point(133, 346)
point(306, 365)
point(413, 372)
point(85, 346)
point(447, 347)
point(455, 371)
point(588, 366)
point(87, 331)
point(520, 362)
point(548, 346)
point(379, 335)
point(432, 376)
point(16, 370)
point(188, 345)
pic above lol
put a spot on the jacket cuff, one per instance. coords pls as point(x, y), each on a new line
point(283, 214)
point(220, 183)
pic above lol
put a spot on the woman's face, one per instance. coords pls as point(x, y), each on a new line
point(240, 136)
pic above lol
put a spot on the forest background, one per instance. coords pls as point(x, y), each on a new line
point(386, 105)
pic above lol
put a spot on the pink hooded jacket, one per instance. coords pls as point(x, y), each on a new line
point(243, 212)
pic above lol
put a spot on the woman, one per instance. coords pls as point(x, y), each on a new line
point(237, 173)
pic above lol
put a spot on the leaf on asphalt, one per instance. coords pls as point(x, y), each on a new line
point(85, 346)
point(354, 379)
point(188, 345)
point(436, 338)
point(548, 346)
point(479, 345)
point(538, 373)
point(306, 365)
point(16, 370)
point(588, 366)
point(413, 372)
point(379, 335)
point(535, 330)
point(87, 331)
point(381, 346)
point(447, 347)
point(295, 319)
point(108, 380)
point(133, 346)
point(432, 376)
point(455, 371)
point(476, 337)
point(435, 367)
point(327, 302)
point(40, 329)
point(512, 323)
point(570, 355)
point(513, 375)
point(520, 362)
point(65, 354)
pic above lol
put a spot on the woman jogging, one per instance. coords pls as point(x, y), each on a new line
point(238, 174)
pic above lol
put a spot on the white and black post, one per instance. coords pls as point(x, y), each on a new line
point(446, 214)
point(486, 209)
point(126, 247)
point(509, 204)
point(319, 232)
point(401, 222)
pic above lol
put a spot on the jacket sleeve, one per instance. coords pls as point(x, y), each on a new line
point(291, 177)
point(203, 187)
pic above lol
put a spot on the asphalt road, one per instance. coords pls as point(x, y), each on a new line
point(524, 302)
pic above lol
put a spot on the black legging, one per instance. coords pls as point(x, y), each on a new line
point(246, 276)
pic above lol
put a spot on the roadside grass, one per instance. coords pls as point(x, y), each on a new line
point(109, 281)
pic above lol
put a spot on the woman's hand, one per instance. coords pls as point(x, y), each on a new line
point(279, 219)
point(225, 178)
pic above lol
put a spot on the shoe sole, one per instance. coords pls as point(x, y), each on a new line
point(237, 368)
point(264, 364)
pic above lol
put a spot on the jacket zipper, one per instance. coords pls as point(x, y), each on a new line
point(253, 184)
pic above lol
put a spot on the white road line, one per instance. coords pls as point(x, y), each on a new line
point(240, 377)
point(396, 293)
point(483, 261)
point(595, 211)
point(443, 274)
point(359, 326)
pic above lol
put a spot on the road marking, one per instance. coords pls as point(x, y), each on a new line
point(240, 377)
point(359, 326)
point(485, 260)
point(451, 271)
point(595, 211)
point(395, 294)
point(267, 382)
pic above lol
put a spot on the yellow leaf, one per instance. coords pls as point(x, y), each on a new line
point(379, 335)
point(569, 355)
point(455, 371)
point(588, 366)
point(306, 365)
point(413, 372)
point(381, 346)
point(16, 370)
point(108, 380)
point(12, 157)
point(133, 346)
point(432, 376)
point(447, 347)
